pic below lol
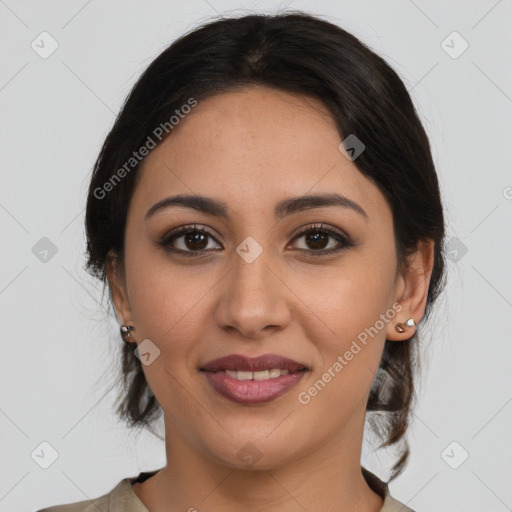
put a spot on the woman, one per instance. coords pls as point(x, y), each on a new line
point(267, 216)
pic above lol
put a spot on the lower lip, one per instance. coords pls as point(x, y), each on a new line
point(252, 391)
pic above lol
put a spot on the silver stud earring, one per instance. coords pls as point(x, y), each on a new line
point(126, 333)
point(402, 327)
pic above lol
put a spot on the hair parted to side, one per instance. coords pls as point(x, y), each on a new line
point(298, 53)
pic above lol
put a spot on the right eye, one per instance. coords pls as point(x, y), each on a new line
point(188, 240)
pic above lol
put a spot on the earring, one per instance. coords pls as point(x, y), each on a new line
point(126, 333)
point(402, 327)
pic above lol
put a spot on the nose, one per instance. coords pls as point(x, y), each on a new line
point(254, 299)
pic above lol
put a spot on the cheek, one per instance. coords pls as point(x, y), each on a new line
point(167, 303)
point(355, 310)
point(164, 295)
point(168, 309)
point(354, 297)
point(349, 354)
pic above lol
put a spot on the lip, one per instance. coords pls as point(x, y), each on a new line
point(237, 362)
point(252, 392)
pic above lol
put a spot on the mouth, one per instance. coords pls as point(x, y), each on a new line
point(248, 380)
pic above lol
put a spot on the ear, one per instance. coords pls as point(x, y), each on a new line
point(116, 279)
point(411, 290)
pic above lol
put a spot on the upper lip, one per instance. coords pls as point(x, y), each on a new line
point(237, 362)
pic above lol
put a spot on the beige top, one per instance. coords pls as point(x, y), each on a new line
point(122, 498)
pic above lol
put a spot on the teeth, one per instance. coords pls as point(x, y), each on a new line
point(261, 375)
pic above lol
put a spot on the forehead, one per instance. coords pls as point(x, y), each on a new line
point(251, 148)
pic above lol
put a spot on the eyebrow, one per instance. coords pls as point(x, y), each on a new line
point(285, 207)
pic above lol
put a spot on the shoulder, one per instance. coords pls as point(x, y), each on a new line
point(120, 498)
point(101, 504)
point(392, 505)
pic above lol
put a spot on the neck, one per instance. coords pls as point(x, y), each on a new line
point(328, 477)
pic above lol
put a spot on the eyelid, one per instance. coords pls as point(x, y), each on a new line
point(320, 226)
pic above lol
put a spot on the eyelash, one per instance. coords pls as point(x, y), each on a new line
point(315, 228)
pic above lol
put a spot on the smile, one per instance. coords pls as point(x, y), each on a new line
point(259, 380)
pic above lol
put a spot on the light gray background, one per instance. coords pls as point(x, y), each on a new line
point(58, 348)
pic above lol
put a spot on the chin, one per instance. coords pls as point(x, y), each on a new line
point(254, 451)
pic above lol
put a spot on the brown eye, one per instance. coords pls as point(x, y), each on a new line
point(317, 240)
point(195, 241)
point(188, 240)
point(323, 240)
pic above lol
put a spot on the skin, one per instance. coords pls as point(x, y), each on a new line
point(252, 148)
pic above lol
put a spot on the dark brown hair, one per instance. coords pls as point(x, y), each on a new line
point(298, 53)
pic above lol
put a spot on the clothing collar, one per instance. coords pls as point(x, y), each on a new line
point(123, 493)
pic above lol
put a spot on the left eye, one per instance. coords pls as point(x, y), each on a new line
point(317, 238)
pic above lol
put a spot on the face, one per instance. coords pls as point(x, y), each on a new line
point(287, 280)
